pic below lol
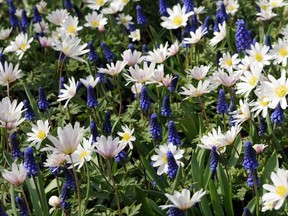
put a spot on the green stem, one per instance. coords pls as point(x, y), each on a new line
point(13, 199)
point(88, 188)
point(25, 200)
point(39, 194)
point(256, 193)
point(8, 90)
point(119, 92)
point(202, 103)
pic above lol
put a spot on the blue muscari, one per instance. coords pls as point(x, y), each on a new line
point(175, 212)
point(62, 82)
point(222, 14)
point(247, 212)
point(101, 77)
point(250, 159)
point(173, 135)
point(79, 86)
point(13, 20)
point(166, 109)
point(131, 28)
point(22, 207)
point(145, 102)
point(250, 180)
point(12, 8)
point(216, 24)
point(92, 55)
point(268, 41)
point(43, 104)
point(91, 97)
point(243, 37)
point(173, 84)
point(37, 17)
point(2, 58)
point(65, 193)
point(144, 49)
point(67, 4)
point(172, 165)
point(24, 21)
point(107, 126)
point(189, 5)
point(222, 105)
point(141, 18)
point(163, 5)
point(121, 156)
point(131, 47)
point(155, 128)
point(262, 126)
point(218, 56)
point(77, 11)
point(16, 152)
point(277, 115)
point(206, 24)
point(194, 23)
point(93, 130)
point(55, 170)
point(70, 181)
point(30, 163)
point(107, 52)
point(231, 109)
point(214, 160)
point(29, 113)
point(2, 211)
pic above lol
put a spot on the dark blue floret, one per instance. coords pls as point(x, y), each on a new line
point(70, 181)
point(121, 156)
point(194, 23)
point(222, 14)
point(107, 52)
point(37, 17)
point(222, 105)
point(166, 109)
point(92, 55)
point(173, 135)
point(155, 128)
point(67, 4)
point(247, 212)
point(172, 165)
point(24, 21)
point(43, 104)
point(13, 20)
point(277, 116)
point(250, 180)
point(131, 47)
point(214, 159)
point(268, 41)
point(231, 109)
point(262, 126)
point(91, 97)
point(189, 5)
point(93, 131)
point(163, 5)
point(65, 195)
point(175, 212)
point(29, 113)
point(2, 211)
point(250, 159)
point(16, 152)
point(22, 207)
point(145, 102)
point(206, 24)
point(141, 18)
point(107, 126)
point(55, 170)
point(30, 163)
point(242, 36)
point(173, 84)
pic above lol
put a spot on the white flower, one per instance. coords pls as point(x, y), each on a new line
point(124, 19)
point(231, 7)
point(136, 88)
point(57, 17)
point(17, 176)
point(159, 55)
point(173, 49)
point(96, 4)
point(40, 132)
point(109, 148)
point(266, 14)
point(55, 202)
point(69, 91)
point(70, 26)
point(41, 6)
point(159, 78)
point(140, 75)
point(258, 54)
point(279, 52)
point(46, 42)
point(69, 138)
point(127, 136)
point(213, 138)
point(220, 35)
point(278, 191)
point(5, 33)
point(242, 114)
point(132, 58)
point(275, 91)
point(277, 3)
point(259, 148)
point(160, 159)
point(8, 74)
point(20, 45)
point(55, 160)
point(228, 62)
point(198, 73)
point(195, 37)
point(230, 135)
point(177, 17)
point(183, 200)
point(89, 81)
point(191, 91)
point(227, 79)
point(113, 69)
point(70, 47)
point(135, 35)
point(96, 20)
point(41, 27)
point(261, 105)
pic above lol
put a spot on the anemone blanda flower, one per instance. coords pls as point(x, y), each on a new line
point(229, 62)
point(55, 159)
point(113, 69)
point(5, 33)
point(196, 36)
point(220, 35)
point(90, 80)
point(132, 58)
point(125, 20)
point(260, 105)
point(17, 175)
point(259, 54)
point(68, 92)
point(127, 135)
point(213, 138)
point(242, 114)
point(158, 55)
point(70, 26)
point(198, 72)
point(135, 35)
point(191, 91)
point(227, 79)
point(96, 20)
point(177, 17)
point(95, 5)
point(46, 41)
point(160, 78)
point(40, 132)
point(57, 17)
point(141, 75)
point(8, 74)
point(231, 6)
point(277, 3)
point(279, 52)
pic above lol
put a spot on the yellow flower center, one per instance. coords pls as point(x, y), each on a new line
point(124, 20)
point(231, 8)
point(281, 190)
point(41, 134)
point(177, 20)
point(99, 2)
point(253, 80)
point(125, 1)
point(71, 29)
point(95, 23)
point(263, 7)
point(274, 4)
point(83, 154)
point(258, 57)
point(126, 136)
point(164, 159)
point(65, 49)
point(23, 46)
point(283, 52)
point(281, 91)
point(262, 102)
point(228, 62)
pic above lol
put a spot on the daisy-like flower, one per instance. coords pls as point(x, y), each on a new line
point(70, 26)
point(177, 17)
point(277, 3)
point(266, 14)
point(46, 41)
point(160, 159)
point(113, 8)
point(20, 45)
point(56, 159)
point(259, 148)
point(41, 6)
point(41, 27)
point(55, 202)
point(70, 47)
point(284, 32)
point(259, 54)
point(173, 49)
point(242, 114)
point(90, 80)
point(136, 88)
point(140, 75)
point(230, 136)
point(261, 105)
point(40, 132)
point(198, 73)
point(279, 52)
point(231, 6)
point(69, 91)
point(96, 20)
point(227, 79)
point(5, 33)
point(249, 80)
point(96, 5)
point(82, 153)
point(191, 91)
point(220, 35)
point(57, 17)
point(132, 58)
point(69, 138)
point(213, 138)
point(10, 114)
point(124, 19)
point(113, 69)
point(278, 191)
point(195, 36)
point(263, 4)
point(17, 175)
point(109, 147)
point(275, 91)
point(228, 62)
point(127, 136)
point(199, 10)
point(8, 74)
point(159, 78)
point(244, 65)
point(135, 35)
point(158, 55)
point(183, 200)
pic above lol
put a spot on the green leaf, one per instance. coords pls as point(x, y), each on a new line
point(141, 198)
point(51, 186)
point(271, 165)
point(235, 154)
point(34, 197)
point(215, 199)
point(155, 207)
